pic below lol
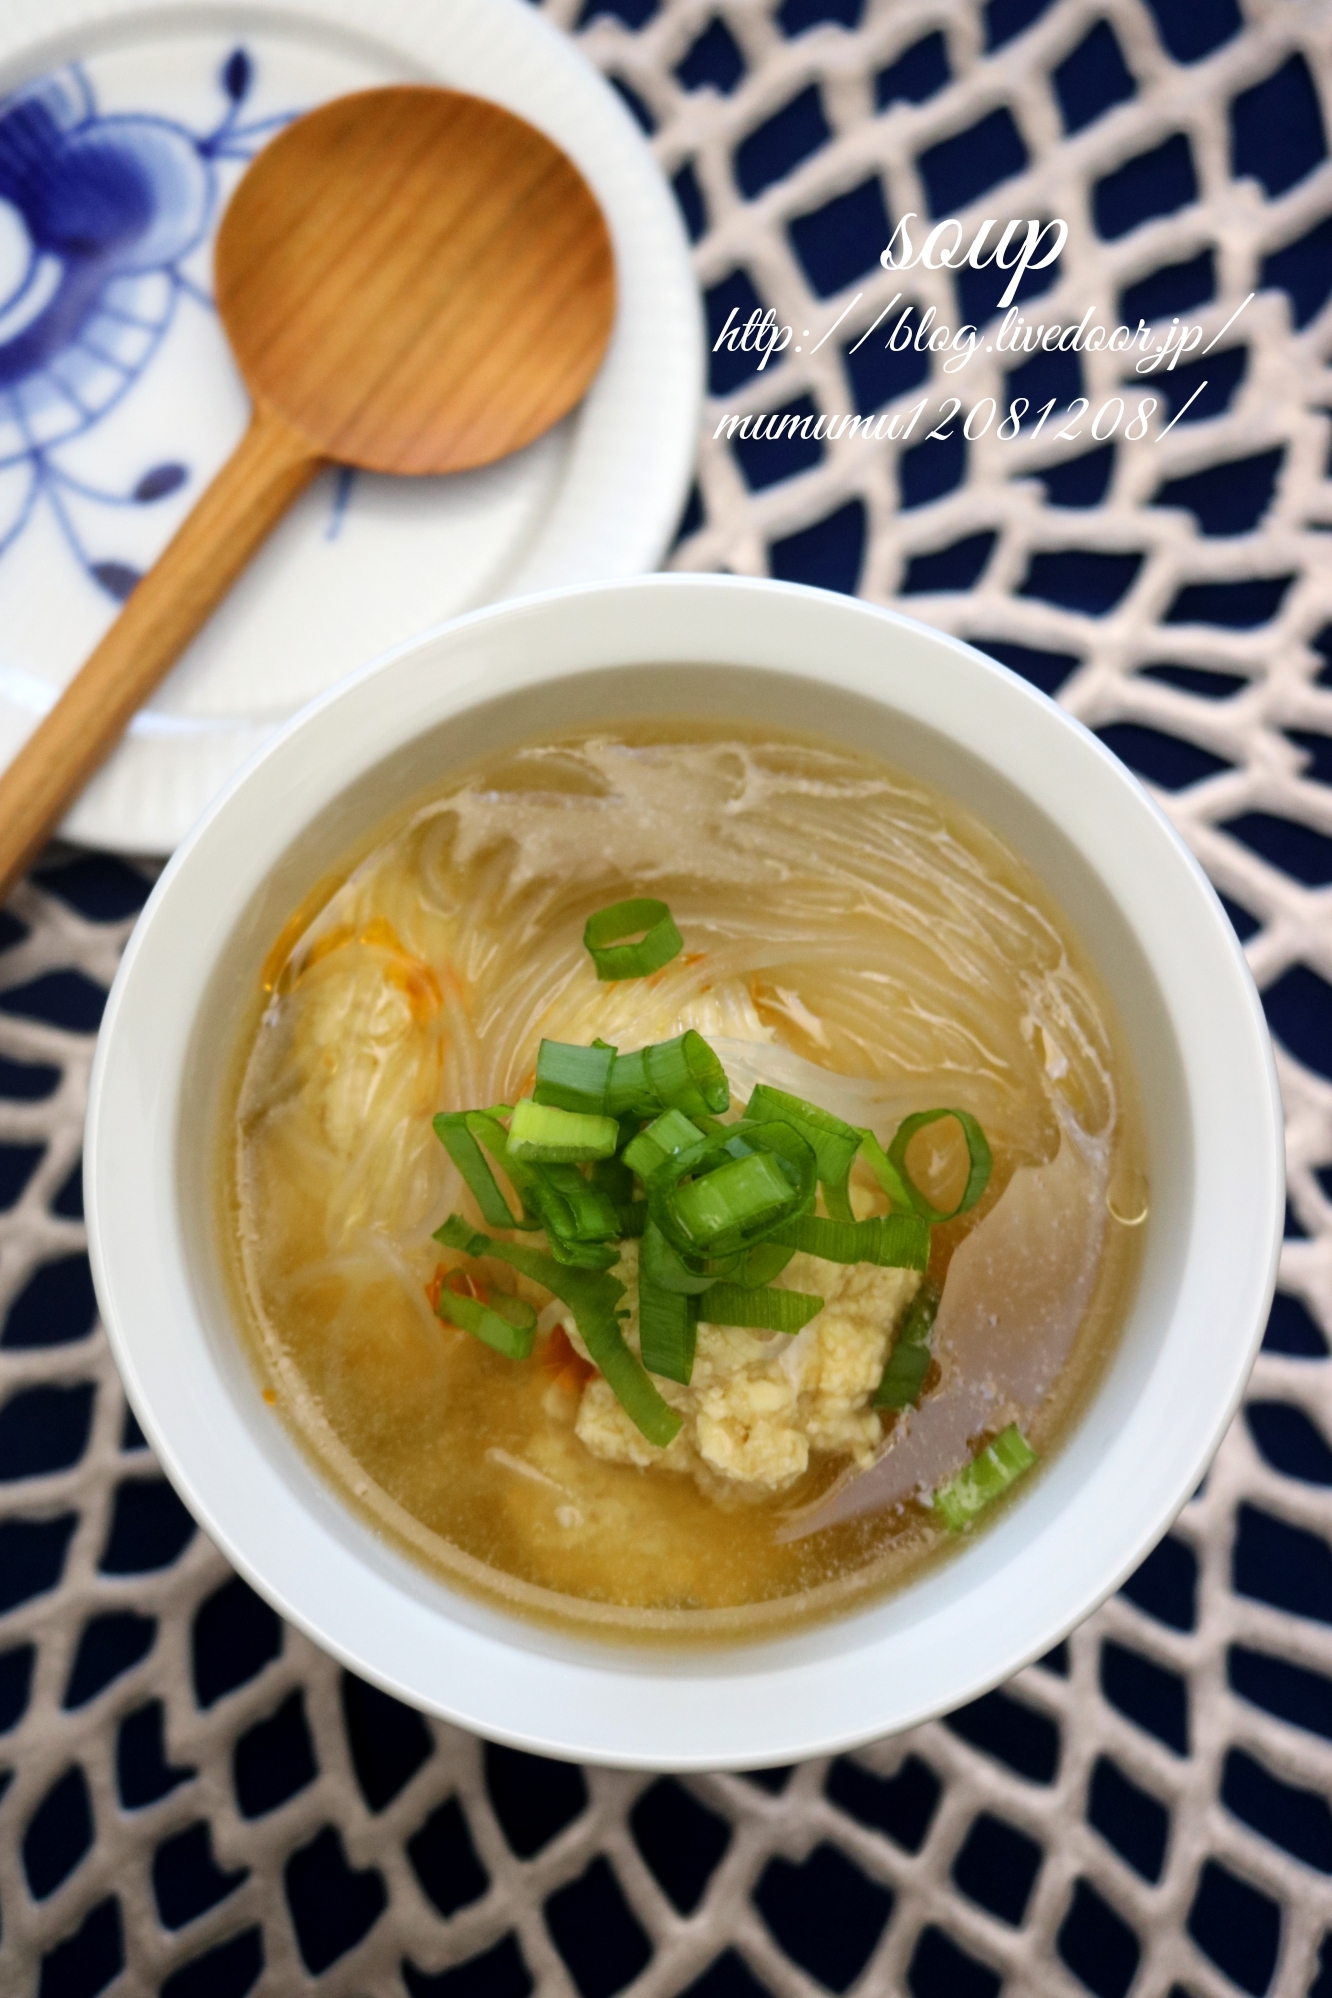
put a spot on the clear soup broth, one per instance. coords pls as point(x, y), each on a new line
point(850, 936)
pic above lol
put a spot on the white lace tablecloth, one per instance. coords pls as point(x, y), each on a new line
point(201, 1804)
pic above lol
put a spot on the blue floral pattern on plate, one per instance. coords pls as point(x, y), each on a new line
point(120, 401)
point(97, 214)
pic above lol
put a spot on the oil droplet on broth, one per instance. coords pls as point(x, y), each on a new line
point(1128, 1196)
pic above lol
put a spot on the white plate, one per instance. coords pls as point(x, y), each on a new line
point(144, 122)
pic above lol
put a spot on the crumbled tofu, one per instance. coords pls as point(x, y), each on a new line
point(760, 1402)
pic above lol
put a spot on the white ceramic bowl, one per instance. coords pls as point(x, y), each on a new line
point(692, 646)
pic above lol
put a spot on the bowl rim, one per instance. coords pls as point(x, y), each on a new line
point(779, 1699)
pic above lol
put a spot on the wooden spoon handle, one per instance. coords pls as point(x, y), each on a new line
point(270, 466)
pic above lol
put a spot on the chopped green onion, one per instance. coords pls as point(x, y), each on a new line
point(732, 1201)
point(614, 958)
point(984, 1479)
point(978, 1162)
point(667, 1331)
point(746, 1202)
point(683, 1074)
point(459, 1131)
point(661, 1265)
point(903, 1377)
point(592, 1300)
point(893, 1241)
point(770, 1310)
point(582, 1223)
point(764, 1261)
point(725, 1207)
point(580, 1208)
point(643, 1155)
point(889, 1178)
point(613, 1178)
point(835, 1143)
point(909, 1360)
point(506, 1323)
point(582, 1255)
point(687, 1075)
point(571, 1077)
point(918, 1322)
point(629, 1092)
point(672, 1132)
point(735, 1142)
point(539, 1132)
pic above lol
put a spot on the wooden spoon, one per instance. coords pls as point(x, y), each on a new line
point(411, 281)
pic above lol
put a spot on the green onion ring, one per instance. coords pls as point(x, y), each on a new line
point(988, 1475)
point(615, 959)
point(796, 1161)
point(889, 1178)
point(909, 1360)
point(543, 1133)
point(903, 1377)
point(507, 1323)
point(582, 1224)
point(660, 1264)
point(667, 1332)
point(459, 1131)
point(666, 1136)
point(593, 1300)
point(765, 1309)
point(572, 1077)
point(629, 1093)
point(764, 1261)
point(835, 1143)
point(978, 1161)
point(892, 1241)
point(687, 1075)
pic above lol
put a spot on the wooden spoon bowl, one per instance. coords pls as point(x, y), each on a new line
point(412, 280)
point(415, 281)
